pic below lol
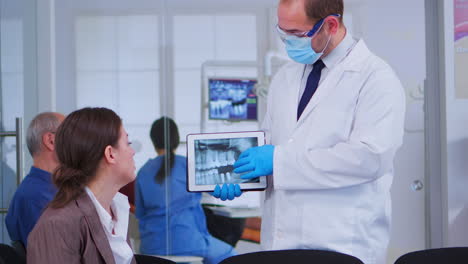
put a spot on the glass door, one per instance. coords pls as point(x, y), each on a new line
point(10, 170)
point(17, 29)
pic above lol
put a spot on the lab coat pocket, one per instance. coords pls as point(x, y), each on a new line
point(330, 127)
point(328, 225)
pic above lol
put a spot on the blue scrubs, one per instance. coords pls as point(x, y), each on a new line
point(181, 214)
point(31, 198)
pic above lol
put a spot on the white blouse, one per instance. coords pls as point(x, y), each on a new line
point(116, 229)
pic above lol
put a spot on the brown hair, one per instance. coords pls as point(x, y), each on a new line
point(318, 9)
point(80, 143)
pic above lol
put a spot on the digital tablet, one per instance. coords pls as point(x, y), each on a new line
point(211, 156)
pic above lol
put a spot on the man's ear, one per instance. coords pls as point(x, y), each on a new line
point(333, 24)
point(48, 140)
point(109, 155)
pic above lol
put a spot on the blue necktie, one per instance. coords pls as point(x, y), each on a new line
point(311, 86)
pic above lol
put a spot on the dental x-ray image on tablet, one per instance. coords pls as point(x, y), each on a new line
point(210, 160)
point(214, 159)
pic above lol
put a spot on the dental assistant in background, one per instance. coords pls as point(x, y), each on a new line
point(171, 220)
point(334, 121)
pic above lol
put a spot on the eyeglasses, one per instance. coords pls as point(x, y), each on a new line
point(283, 34)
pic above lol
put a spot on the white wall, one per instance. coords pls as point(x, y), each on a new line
point(395, 31)
point(117, 66)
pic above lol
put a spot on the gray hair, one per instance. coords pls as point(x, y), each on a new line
point(41, 124)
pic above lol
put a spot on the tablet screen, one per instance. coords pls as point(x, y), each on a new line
point(210, 159)
point(214, 159)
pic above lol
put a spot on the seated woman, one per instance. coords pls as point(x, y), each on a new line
point(171, 220)
point(87, 221)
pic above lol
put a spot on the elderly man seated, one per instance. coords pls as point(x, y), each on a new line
point(36, 190)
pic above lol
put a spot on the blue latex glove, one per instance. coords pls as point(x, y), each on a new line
point(227, 192)
point(258, 161)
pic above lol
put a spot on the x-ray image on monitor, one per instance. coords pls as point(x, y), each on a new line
point(232, 99)
point(214, 160)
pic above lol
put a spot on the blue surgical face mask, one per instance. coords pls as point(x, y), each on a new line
point(300, 49)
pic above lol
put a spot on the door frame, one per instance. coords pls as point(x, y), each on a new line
point(435, 127)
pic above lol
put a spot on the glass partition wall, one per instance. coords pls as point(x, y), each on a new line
point(152, 59)
point(17, 71)
point(146, 59)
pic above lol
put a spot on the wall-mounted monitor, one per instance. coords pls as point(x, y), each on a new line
point(232, 99)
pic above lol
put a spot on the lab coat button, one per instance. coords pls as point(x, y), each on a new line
point(290, 140)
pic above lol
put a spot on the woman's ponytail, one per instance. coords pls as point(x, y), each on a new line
point(70, 184)
point(161, 175)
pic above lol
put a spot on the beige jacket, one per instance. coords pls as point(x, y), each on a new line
point(72, 234)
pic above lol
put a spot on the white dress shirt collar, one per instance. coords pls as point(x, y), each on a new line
point(116, 229)
point(333, 58)
point(340, 51)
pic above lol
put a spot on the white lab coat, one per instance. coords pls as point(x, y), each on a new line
point(333, 168)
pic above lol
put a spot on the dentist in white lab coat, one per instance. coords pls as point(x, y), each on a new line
point(332, 151)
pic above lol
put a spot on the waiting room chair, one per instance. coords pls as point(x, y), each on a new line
point(146, 259)
point(435, 256)
point(8, 255)
point(20, 249)
point(296, 256)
